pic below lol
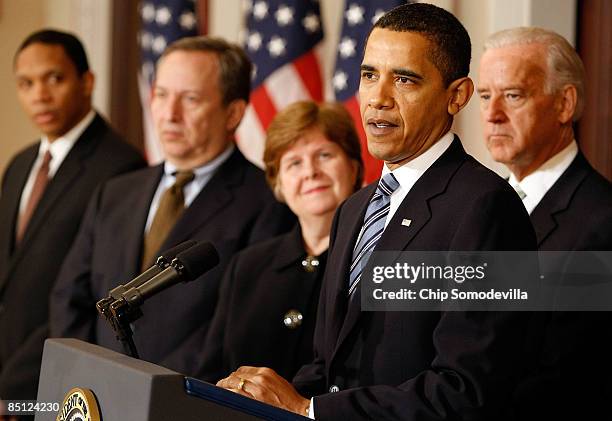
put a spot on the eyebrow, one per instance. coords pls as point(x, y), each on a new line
point(401, 72)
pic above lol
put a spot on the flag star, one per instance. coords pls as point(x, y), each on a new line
point(148, 12)
point(163, 16)
point(311, 23)
point(146, 39)
point(260, 10)
point(284, 15)
point(340, 80)
point(159, 44)
point(254, 41)
point(276, 46)
point(188, 21)
point(347, 47)
point(377, 15)
point(354, 15)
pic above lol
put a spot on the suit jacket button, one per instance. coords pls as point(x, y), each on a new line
point(333, 389)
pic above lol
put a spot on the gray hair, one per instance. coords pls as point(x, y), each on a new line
point(564, 65)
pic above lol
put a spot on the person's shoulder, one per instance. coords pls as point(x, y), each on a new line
point(475, 176)
point(24, 156)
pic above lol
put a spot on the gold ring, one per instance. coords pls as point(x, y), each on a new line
point(241, 384)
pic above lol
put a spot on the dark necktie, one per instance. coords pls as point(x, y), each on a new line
point(171, 206)
point(373, 227)
point(38, 188)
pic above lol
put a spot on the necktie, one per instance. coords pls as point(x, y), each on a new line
point(171, 206)
point(40, 183)
point(373, 227)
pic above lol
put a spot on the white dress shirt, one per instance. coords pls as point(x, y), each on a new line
point(59, 148)
point(536, 184)
point(202, 174)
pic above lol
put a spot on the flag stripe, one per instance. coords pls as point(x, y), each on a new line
point(312, 80)
point(263, 105)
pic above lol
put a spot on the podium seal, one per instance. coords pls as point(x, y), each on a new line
point(79, 405)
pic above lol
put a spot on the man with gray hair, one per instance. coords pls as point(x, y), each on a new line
point(205, 190)
point(531, 91)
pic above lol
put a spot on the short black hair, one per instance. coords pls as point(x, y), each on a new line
point(70, 43)
point(451, 49)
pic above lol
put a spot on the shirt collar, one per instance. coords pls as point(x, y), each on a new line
point(60, 147)
point(203, 170)
point(536, 184)
point(409, 173)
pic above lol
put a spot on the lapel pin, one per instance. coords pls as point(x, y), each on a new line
point(406, 222)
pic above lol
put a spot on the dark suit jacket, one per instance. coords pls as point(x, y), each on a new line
point(572, 379)
point(260, 286)
point(108, 249)
point(421, 365)
point(27, 272)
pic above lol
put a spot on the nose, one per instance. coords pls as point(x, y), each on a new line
point(380, 95)
point(311, 168)
point(41, 92)
point(494, 111)
point(172, 108)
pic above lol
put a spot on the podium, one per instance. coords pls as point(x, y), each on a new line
point(125, 388)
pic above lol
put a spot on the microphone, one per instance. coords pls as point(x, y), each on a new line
point(162, 262)
point(187, 266)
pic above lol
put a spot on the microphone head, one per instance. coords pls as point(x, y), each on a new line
point(198, 259)
point(171, 253)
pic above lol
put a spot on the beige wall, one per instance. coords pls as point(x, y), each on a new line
point(15, 25)
point(89, 19)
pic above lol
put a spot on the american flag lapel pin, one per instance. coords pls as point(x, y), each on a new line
point(406, 222)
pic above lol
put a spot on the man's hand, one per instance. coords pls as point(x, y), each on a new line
point(265, 385)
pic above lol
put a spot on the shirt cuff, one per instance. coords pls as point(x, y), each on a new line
point(311, 414)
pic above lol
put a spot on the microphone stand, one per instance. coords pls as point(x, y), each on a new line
point(122, 316)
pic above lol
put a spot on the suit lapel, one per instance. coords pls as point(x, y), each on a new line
point(352, 213)
point(396, 236)
point(134, 229)
point(12, 195)
point(71, 168)
point(558, 198)
point(214, 197)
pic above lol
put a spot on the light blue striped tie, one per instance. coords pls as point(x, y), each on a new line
point(373, 227)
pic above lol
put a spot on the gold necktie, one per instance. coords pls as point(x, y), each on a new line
point(40, 183)
point(171, 206)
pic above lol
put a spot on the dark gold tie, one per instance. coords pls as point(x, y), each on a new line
point(38, 188)
point(171, 206)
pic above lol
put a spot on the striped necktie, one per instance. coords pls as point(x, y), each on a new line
point(373, 227)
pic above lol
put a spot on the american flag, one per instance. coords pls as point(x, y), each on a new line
point(283, 38)
point(163, 22)
point(358, 18)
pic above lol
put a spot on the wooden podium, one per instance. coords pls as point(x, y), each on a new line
point(124, 388)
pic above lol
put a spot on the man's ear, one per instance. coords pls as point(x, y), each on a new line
point(566, 103)
point(88, 83)
point(235, 112)
point(461, 91)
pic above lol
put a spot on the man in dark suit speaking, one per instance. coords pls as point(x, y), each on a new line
point(205, 190)
point(45, 190)
point(532, 89)
point(410, 365)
